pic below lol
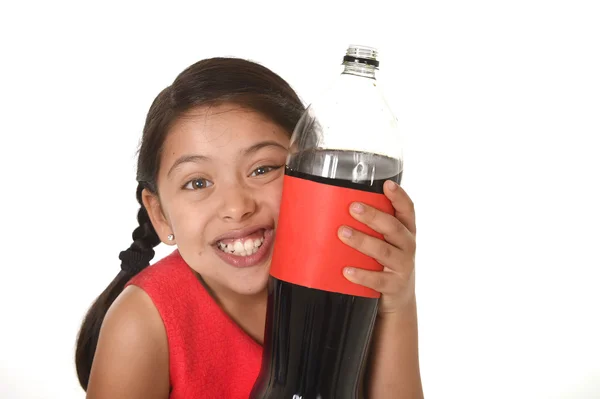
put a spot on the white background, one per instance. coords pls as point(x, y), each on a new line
point(500, 104)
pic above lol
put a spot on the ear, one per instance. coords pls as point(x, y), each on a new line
point(157, 217)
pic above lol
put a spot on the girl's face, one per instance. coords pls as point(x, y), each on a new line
point(219, 188)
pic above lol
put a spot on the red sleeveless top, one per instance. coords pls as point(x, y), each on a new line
point(210, 356)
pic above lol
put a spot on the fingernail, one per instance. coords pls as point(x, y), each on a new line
point(357, 208)
point(346, 232)
point(349, 270)
point(391, 185)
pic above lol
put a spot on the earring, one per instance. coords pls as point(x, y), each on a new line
point(170, 237)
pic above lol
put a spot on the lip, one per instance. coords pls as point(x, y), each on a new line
point(251, 260)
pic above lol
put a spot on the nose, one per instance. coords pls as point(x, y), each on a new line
point(238, 203)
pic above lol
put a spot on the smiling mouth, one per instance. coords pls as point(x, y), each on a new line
point(242, 246)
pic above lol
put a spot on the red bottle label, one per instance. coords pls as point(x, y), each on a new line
point(307, 249)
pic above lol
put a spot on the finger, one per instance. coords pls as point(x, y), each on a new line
point(384, 253)
point(405, 208)
point(384, 282)
point(392, 229)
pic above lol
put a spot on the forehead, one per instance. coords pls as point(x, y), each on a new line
point(220, 130)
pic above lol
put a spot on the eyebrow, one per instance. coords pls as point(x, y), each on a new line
point(245, 152)
point(185, 159)
point(269, 143)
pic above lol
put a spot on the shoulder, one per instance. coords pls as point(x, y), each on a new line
point(133, 313)
point(131, 359)
point(174, 289)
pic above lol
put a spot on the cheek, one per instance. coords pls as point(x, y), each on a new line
point(188, 219)
point(272, 197)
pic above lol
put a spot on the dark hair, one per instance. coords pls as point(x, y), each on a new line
point(208, 82)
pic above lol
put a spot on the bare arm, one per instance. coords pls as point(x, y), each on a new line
point(131, 360)
point(394, 369)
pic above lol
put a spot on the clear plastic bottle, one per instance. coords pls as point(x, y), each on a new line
point(319, 325)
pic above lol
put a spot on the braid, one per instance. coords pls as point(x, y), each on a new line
point(140, 253)
point(133, 260)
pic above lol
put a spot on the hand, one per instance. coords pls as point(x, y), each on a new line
point(396, 254)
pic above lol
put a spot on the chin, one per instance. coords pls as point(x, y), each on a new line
point(251, 284)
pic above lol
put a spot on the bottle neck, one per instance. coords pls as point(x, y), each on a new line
point(354, 68)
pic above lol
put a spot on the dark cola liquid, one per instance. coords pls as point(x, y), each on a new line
point(316, 342)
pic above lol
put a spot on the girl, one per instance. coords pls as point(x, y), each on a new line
point(210, 172)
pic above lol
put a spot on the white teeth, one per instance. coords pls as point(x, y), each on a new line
point(242, 248)
point(238, 246)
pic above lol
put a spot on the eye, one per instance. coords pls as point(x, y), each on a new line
point(197, 184)
point(262, 170)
